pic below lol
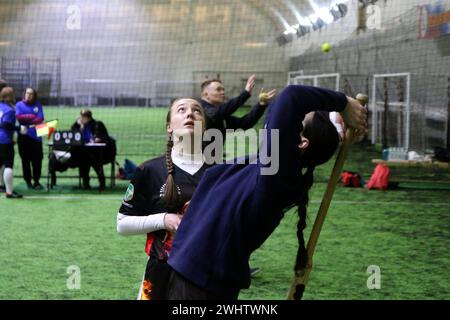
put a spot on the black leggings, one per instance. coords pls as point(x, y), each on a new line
point(84, 173)
point(30, 151)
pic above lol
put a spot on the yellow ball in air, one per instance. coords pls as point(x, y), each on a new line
point(326, 47)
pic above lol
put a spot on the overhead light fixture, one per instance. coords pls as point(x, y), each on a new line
point(315, 21)
point(302, 30)
point(318, 24)
point(338, 11)
point(325, 15)
point(284, 39)
point(290, 30)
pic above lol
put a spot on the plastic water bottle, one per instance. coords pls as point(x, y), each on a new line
point(385, 154)
point(393, 153)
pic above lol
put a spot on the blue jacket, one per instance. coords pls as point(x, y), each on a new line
point(30, 115)
point(235, 208)
point(7, 123)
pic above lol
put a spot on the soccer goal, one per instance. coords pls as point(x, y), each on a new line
point(164, 91)
point(391, 109)
point(112, 93)
point(326, 80)
point(292, 75)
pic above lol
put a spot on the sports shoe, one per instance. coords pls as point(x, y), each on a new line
point(14, 195)
point(29, 186)
point(254, 271)
point(38, 186)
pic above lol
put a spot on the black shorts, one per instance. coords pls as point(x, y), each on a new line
point(7, 155)
point(179, 288)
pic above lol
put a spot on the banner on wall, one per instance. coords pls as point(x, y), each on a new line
point(434, 21)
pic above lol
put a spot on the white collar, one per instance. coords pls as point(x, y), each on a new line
point(190, 163)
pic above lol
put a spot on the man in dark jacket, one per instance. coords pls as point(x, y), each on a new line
point(219, 113)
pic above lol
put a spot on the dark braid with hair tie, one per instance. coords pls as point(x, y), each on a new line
point(169, 162)
point(302, 255)
point(171, 196)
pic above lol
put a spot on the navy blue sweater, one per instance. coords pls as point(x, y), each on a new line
point(235, 208)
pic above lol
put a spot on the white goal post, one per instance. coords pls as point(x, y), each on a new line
point(403, 107)
point(301, 79)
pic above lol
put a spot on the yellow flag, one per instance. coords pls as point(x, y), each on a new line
point(46, 128)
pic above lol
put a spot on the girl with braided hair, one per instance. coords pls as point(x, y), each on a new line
point(154, 201)
point(236, 207)
point(316, 122)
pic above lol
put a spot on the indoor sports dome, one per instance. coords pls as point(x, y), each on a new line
point(88, 85)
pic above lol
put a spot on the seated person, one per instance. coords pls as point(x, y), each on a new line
point(92, 131)
point(59, 160)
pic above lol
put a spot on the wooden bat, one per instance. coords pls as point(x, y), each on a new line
point(301, 278)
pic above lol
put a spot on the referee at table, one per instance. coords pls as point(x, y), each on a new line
point(92, 131)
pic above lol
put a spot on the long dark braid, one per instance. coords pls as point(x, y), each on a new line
point(323, 142)
point(171, 196)
point(302, 255)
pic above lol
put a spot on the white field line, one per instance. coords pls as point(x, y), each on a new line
point(119, 198)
